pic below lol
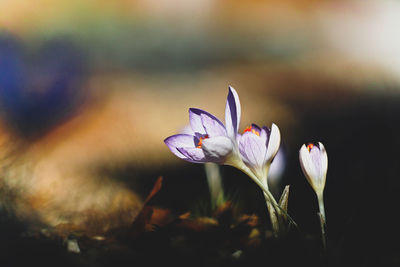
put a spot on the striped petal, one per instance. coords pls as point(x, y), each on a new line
point(180, 140)
point(232, 113)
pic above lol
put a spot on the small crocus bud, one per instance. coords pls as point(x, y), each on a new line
point(314, 163)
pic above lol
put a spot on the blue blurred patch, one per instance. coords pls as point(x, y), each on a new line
point(39, 91)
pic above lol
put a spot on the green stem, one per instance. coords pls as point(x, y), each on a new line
point(273, 217)
point(275, 211)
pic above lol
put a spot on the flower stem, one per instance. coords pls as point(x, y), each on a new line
point(275, 211)
point(322, 219)
point(214, 184)
point(273, 217)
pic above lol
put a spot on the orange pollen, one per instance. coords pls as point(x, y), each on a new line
point(309, 147)
point(200, 143)
point(250, 129)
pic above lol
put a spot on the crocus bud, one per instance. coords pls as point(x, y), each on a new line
point(314, 163)
point(258, 147)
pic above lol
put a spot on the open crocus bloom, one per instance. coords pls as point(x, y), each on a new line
point(314, 163)
point(258, 147)
point(211, 141)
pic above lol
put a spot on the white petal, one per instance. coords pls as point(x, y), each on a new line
point(217, 147)
point(187, 130)
point(274, 142)
point(324, 163)
point(308, 167)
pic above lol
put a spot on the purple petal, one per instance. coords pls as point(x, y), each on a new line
point(213, 126)
point(194, 154)
point(195, 121)
point(238, 138)
point(200, 120)
point(180, 140)
point(217, 148)
point(253, 149)
point(265, 134)
point(232, 113)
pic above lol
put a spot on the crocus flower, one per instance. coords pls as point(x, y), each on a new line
point(258, 147)
point(211, 141)
point(314, 163)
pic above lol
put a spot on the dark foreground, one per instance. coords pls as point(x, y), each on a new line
point(177, 227)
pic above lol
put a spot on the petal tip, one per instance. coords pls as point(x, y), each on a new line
point(232, 112)
point(168, 140)
point(194, 110)
point(232, 91)
point(302, 147)
point(321, 147)
point(274, 127)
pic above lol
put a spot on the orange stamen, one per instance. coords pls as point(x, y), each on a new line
point(250, 129)
point(310, 146)
point(200, 143)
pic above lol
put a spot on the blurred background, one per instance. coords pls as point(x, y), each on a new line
point(90, 89)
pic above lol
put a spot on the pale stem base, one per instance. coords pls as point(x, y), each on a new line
point(275, 211)
point(214, 181)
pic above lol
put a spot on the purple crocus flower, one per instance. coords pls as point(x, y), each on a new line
point(258, 147)
point(314, 163)
point(211, 141)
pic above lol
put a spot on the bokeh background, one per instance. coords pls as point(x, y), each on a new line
point(90, 89)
